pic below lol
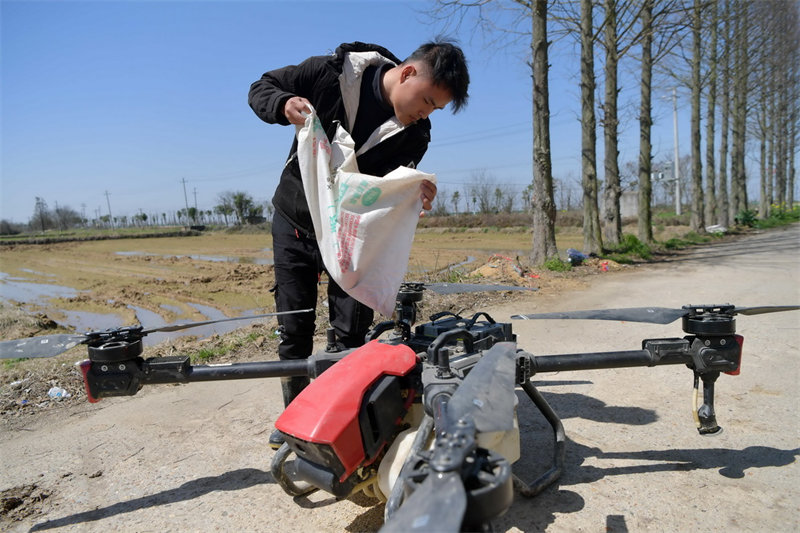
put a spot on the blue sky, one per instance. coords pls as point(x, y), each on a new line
point(131, 98)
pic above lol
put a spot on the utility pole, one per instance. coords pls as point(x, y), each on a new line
point(110, 218)
point(185, 198)
point(676, 166)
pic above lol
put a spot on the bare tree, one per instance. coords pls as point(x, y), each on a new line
point(782, 49)
point(544, 205)
point(644, 222)
point(723, 213)
point(659, 33)
point(480, 189)
point(620, 35)
point(697, 221)
point(454, 198)
point(592, 237)
point(711, 102)
point(738, 200)
point(41, 215)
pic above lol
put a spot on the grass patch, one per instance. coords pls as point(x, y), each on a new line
point(690, 239)
point(227, 345)
point(629, 250)
point(557, 265)
point(779, 216)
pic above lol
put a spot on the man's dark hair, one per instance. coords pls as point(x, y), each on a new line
point(447, 67)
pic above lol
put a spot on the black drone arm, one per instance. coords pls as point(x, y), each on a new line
point(125, 377)
point(707, 356)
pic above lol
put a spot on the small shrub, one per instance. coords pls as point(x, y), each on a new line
point(634, 246)
point(675, 244)
point(779, 216)
point(746, 217)
point(557, 265)
point(630, 246)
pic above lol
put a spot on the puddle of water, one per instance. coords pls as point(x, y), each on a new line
point(84, 321)
point(470, 259)
point(150, 320)
point(213, 258)
point(38, 273)
point(25, 291)
point(174, 308)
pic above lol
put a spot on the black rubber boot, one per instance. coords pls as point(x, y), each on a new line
point(276, 439)
point(291, 387)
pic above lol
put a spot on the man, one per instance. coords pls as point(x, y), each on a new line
point(384, 104)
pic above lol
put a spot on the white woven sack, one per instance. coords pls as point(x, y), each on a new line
point(364, 224)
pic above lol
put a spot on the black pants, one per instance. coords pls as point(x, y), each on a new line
point(298, 265)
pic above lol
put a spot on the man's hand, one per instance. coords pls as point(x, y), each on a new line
point(293, 109)
point(427, 192)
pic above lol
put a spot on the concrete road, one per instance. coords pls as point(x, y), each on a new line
point(635, 461)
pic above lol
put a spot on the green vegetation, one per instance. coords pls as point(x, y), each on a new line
point(557, 265)
point(222, 347)
point(96, 234)
point(630, 249)
point(779, 216)
point(690, 239)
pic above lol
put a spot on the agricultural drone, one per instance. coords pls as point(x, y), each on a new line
point(423, 416)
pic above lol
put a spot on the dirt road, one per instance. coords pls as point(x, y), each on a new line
point(194, 457)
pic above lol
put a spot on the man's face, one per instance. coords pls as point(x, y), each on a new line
point(416, 97)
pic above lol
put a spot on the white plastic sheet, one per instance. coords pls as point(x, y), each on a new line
point(364, 224)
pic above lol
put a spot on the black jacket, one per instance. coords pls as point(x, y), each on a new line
point(317, 79)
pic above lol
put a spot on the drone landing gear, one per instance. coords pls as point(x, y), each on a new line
point(282, 472)
point(535, 488)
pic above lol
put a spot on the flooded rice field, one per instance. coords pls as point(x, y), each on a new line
point(96, 285)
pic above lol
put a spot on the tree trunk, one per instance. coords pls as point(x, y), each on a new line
point(792, 150)
point(741, 72)
point(592, 239)
point(782, 127)
point(765, 184)
point(611, 215)
point(697, 222)
point(544, 206)
point(645, 226)
point(722, 188)
point(767, 149)
point(711, 198)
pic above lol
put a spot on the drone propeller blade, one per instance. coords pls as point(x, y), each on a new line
point(649, 315)
point(457, 288)
point(438, 504)
point(652, 315)
point(44, 346)
point(765, 309)
point(187, 325)
point(487, 393)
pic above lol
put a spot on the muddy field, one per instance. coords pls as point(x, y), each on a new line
point(213, 275)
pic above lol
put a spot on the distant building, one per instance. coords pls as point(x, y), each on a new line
point(628, 205)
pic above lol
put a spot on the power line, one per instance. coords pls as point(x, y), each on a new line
point(473, 137)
